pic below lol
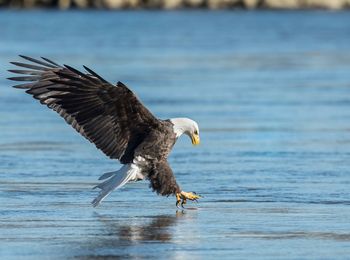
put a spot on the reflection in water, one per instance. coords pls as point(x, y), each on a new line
point(156, 230)
point(118, 237)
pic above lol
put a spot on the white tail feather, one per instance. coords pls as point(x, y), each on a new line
point(107, 175)
point(116, 180)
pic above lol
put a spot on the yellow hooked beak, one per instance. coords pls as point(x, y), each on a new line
point(195, 139)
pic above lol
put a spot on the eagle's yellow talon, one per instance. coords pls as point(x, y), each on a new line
point(178, 199)
point(184, 201)
point(190, 195)
point(183, 196)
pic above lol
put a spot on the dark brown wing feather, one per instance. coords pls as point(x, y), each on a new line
point(109, 116)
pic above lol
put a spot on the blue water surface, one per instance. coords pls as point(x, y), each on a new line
point(271, 93)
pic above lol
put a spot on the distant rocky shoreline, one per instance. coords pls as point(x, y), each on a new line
point(179, 4)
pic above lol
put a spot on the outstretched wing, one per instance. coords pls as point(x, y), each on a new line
point(109, 116)
point(162, 179)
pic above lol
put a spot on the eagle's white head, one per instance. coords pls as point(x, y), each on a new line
point(186, 126)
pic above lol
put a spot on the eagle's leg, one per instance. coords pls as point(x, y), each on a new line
point(183, 196)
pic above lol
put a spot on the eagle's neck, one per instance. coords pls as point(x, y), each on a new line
point(181, 126)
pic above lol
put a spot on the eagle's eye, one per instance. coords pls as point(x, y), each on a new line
point(195, 132)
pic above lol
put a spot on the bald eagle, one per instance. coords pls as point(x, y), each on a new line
point(111, 117)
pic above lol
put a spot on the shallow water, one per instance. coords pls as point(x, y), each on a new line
point(270, 91)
